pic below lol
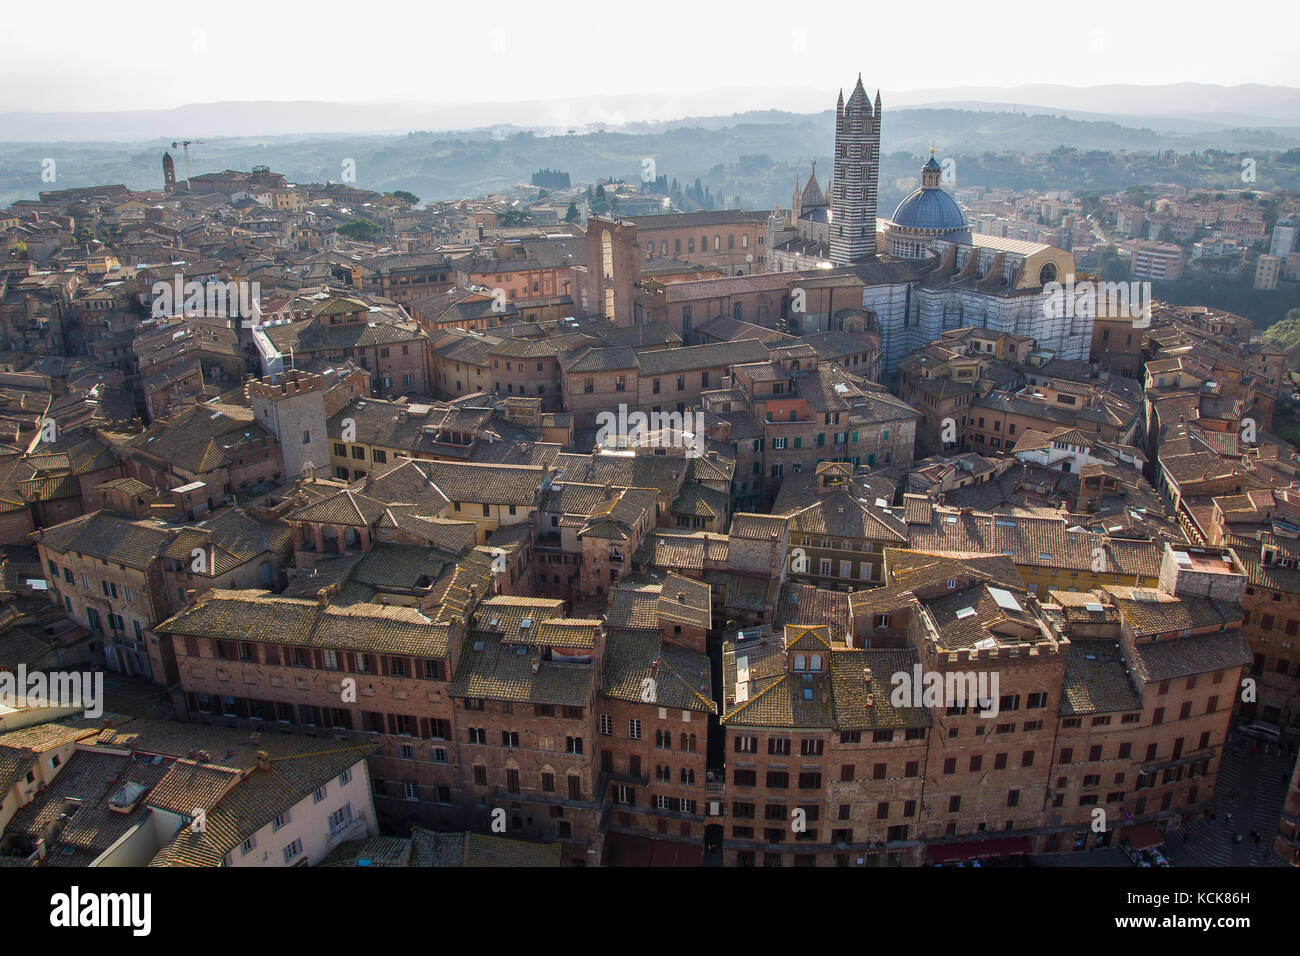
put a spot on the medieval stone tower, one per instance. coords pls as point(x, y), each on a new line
point(293, 409)
point(169, 172)
point(853, 184)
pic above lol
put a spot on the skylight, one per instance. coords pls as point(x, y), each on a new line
point(1005, 599)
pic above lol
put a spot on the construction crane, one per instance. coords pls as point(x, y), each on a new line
point(185, 144)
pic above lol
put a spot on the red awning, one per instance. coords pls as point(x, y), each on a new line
point(1143, 836)
point(980, 849)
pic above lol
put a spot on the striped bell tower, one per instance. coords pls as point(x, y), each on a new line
point(857, 169)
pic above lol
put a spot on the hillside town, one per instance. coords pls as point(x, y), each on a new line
point(568, 528)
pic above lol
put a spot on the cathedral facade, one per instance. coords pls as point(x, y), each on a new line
point(924, 271)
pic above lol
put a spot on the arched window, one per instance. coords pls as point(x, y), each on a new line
point(731, 241)
point(816, 662)
point(717, 243)
point(744, 241)
point(800, 662)
point(677, 247)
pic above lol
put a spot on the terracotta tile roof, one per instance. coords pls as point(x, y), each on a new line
point(492, 668)
point(689, 550)
point(109, 537)
point(683, 600)
point(485, 484)
point(377, 851)
point(478, 849)
point(678, 679)
point(263, 796)
point(91, 779)
point(634, 605)
point(189, 785)
point(807, 604)
point(261, 617)
point(1096, 680)
point(1033, 541)
point(966, 616)
point(1185, 656)
point(344, 508)
point(1153, 613)
point(839, 698)
point(201, 439)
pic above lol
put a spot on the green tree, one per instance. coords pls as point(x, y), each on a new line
point(1112, 267)
point(571, 214)
point(1286, 333)
point(360, 230)
point(406, 197)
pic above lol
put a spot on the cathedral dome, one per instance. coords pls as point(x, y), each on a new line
point(929, 209)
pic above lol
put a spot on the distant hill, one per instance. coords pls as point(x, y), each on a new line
point(749, 159)
point(1170, 106)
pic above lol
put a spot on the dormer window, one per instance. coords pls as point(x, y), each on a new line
point(800, 662)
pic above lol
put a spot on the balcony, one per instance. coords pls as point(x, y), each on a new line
point(355, 830)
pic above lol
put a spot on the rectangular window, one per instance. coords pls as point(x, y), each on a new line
point(293, 850)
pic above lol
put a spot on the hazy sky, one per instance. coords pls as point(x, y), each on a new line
point(143, 54)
